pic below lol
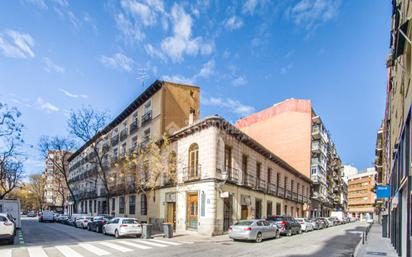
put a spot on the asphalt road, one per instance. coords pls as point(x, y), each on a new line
point(57, 240)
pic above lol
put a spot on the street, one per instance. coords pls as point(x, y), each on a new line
point(56, 240)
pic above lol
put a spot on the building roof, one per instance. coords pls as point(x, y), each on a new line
point(141, 99)
point(221, 123)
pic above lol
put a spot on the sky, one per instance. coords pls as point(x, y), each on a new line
point(57, 56)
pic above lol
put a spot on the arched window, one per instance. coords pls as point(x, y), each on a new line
point(143, 205)
point(193, 161)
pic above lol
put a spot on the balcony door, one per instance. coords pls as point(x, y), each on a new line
point(193, 161)
point(192, 210)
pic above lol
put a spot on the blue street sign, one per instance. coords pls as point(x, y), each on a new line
point(383, 192)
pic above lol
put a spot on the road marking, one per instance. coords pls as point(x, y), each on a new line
point(165, 242)
point(5, 253)
point(135, 245)
point(116, 247)
point(94, 249)
point(36, 251)
point(67, 251)
point(149, 243)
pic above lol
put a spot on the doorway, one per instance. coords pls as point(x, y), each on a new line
point(258, 209)
point(244, 212)
point(171, 214)
point(192, 210)
point(227, 213)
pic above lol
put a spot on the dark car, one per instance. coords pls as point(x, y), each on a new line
point(323, 223)
point(97, 223)
point(287, 225)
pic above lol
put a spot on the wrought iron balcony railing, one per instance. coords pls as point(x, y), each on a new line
point(123, 134)
point(115, 139)
point(147, 117)
point(192, 173)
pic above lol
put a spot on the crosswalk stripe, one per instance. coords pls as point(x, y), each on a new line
point(165, 242)
point(149, 243)
point(5, 253)
point(67, 251)
point(135, 245)
point(185, 242)
point(36, 252)
point(116, 247)
point(93, 249)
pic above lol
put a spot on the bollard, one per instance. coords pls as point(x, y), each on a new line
point(167, 230)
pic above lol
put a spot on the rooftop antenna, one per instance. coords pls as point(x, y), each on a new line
point(142, 75)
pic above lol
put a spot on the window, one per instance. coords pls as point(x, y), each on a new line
point(244, 168)
point(286, 210)
point(277, 180)
point(121, 204)
point(269, 175)
point(193, 160)
point(113, 204)
point(143, 205)
point(228, 158)
point(291, 211)
point(124, 149)
point(95, 206)
point(148, 105)
point(285, 183)
point(297, 188)
point(90, 206)
point(278, 209)
point(258, 170)
point(132, 204)
point(269, 209)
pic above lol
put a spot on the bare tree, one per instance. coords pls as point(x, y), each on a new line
point(57, 150)
point(11, 166)
point(86, 125)
point(37, 188)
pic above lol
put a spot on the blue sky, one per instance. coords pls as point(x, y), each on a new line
point(245, 55)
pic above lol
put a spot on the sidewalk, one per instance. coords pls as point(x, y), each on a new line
point(192, 237)
point(376, 245)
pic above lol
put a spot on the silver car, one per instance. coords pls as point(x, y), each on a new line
point(255, 230)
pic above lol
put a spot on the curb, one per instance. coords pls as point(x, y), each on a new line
point(356, 250)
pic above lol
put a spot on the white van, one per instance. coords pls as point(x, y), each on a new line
point(12, 207)
point(46, 216)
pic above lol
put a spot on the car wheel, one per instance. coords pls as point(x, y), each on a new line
point(259, 237)
point(277, 234)
point(89, 228)
point(300, 231)
point(116, 234)
point(139, 235)
point(97, 229)
point(11, 241)
point(289, 233)
point(104, 231)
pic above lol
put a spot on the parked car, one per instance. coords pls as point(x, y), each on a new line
point(322, 223)
point(46, 216)
point(329, 222)
point(97, 223)
point(335, 221)
point(315, 224)
point(287, 225)
point(255, 230)
point(62, 218)
point(123, 227)
point(7, 228)
point(31, 214)
point(305, 224)
point(72, 220)
point(82, 221)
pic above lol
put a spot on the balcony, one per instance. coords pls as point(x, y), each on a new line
point(249, 180)
point(261, 185)
point(168, 180)
point(133, 127)
point(229, 174)
point(288, 194)
point(281, 192)
point(319, 162)
point(294, 196)
point(319, 147)
point(318, 178)
point(146, 118)
point(272, 190)
point(115, 139)
point(319, 133)
point(123, 134)
point(192, 173)
point(106, 147)
point(300, 198)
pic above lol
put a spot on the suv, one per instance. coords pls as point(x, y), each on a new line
point(287, 225)
point(7, 228)
point(46, 216)
point(97, 223)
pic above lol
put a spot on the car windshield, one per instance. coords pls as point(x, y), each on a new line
point(244, 223)
point(130, 221)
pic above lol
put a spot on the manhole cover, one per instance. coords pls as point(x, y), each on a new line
point(376, 253)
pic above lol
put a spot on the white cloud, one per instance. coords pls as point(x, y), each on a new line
point(182, 43)
point(140, 11)
point(233, 106)
point(46, 106)
point(233, 23)
point(205, 72)
point(62, 3)
point(41, 4)
point(117, 61)
point(19, 45)
point(72, 95)
point(130, 30)
point(153, 52)
point(285, 69)
point(51, 66)
point(249, 6)
point(310, 13)
point(76, 22)
point(178, 79)
point(239, 81)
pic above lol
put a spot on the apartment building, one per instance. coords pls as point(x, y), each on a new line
point(163, 108)
point(225, 176)
point(361, 196)
point(396, 129)
point(56, 192)
point(292, 130)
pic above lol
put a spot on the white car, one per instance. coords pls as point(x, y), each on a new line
point(305, 224)
point(83, 221)
point(7, 228)
point(123, 227)
point(46, 216)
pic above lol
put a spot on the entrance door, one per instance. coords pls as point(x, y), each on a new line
point(227, 213)
point(171, 214)
point(244, 213)
point(192, 210)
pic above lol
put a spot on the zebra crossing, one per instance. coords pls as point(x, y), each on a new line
point(91, 249)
